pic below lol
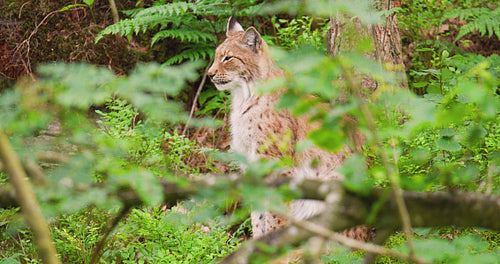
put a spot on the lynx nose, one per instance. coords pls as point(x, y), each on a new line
point(212, 71)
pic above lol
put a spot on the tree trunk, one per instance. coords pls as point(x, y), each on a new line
point(385, 40)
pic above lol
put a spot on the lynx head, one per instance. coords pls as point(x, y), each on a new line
point(241, 59)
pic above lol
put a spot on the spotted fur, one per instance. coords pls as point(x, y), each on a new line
point(242, 61)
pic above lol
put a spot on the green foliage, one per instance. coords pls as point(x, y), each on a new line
point(135, 145)
point(75, 235)
point(150, 235)
point(128, 150)
point(168, 237)
point(150, 145)
point(463, 140)
point(426, 26)
point(11, 244)
point(446, 138)
point(185, 21)
point(418, 15)
point(296, 32)
point(339, 255)
point(121, 120)
point(463, 88)
point(86, 3)
point(467, 246)
point(484, 20)
point(436, 141)
point(213, 102)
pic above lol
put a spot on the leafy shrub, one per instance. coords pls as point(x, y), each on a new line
point(146, 139)
point(428, 28)
point(168, 237)
point(75, 235)
point(300, 31)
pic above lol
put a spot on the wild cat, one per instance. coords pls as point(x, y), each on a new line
point(242, 61)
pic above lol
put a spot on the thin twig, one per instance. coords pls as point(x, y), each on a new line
point(353, 243)
point(51, 157)
point(27, 199)
point(391, 174)
point(200, 87)
point(27, 41)
point(96, 253)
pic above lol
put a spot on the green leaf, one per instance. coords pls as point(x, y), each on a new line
point(83, 85)
point(422, 113)
point(9, 106)
point(473, 242)
point(433, 249)
point(89, 2)
point(474, 135)
point(13, 259)
point(420, 84)
point(465, 175)
point(423, 231)
point(485, 258)
point(331, 140)
point(184, 35)
point(253, 198)
point(448, 144)
point(355, 173)
point(71, 6)
point(339, 254)
point(145, 184)
point(447, 132)
point(433, 72)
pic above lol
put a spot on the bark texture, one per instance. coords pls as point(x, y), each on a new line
point(385, 39)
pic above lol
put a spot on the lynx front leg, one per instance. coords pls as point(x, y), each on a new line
point(264, 223)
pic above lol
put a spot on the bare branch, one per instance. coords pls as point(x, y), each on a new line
point(467, 209)
point(200, 87)
point(51, 157)
point(353, 243)
point(27, 200)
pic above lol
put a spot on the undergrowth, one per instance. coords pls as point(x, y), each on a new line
point(151, 144)
point(458, 149)
point(180, 21)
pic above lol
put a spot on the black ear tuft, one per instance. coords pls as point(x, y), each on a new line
point(252, 39)
point(233, 26)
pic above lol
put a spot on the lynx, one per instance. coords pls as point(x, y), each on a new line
point(242, 61)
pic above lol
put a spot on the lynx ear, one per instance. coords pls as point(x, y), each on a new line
point(233, 27)
point(252, 39)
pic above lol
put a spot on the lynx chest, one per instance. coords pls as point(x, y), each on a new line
point(258, 129)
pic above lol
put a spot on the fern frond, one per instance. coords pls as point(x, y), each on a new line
point(483, 20)
point(178, 8)
point(180, 20)
point(127, 27)
point(132, 12)
point(184, 35)
point(191, 54)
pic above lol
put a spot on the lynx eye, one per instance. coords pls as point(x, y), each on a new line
point(228, 58)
